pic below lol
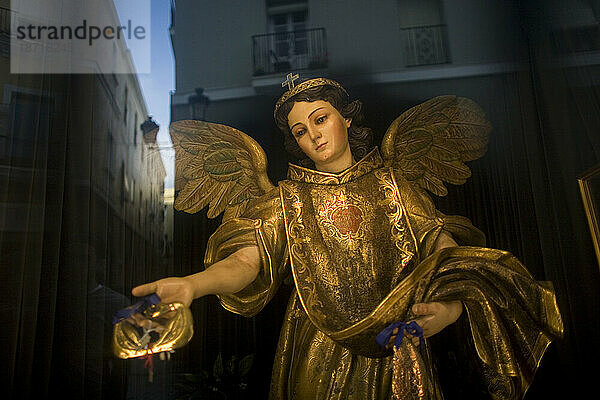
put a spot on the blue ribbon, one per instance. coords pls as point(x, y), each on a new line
point(138, 307)
point(411, 327)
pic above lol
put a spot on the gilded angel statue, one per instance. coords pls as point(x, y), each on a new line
point(368, 252)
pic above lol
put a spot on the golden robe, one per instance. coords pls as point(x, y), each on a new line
point(358, 245)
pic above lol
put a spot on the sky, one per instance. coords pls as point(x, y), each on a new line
point(156, 85)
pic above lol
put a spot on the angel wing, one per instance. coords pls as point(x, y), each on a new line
point(218, 166)
point(430, 142)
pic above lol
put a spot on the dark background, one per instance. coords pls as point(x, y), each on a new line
point(523, 195)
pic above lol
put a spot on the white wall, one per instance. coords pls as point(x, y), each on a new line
point(361, 35)
point(213, 42)
point(419, 13)
point(481, 31)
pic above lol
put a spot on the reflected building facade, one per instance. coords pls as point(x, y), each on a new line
point(82, 220)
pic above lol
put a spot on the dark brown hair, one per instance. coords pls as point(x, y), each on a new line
point(359, 137)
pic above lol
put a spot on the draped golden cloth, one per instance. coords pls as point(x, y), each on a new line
point(358, 245)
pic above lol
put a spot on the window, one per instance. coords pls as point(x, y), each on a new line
point(288, 22)
point(577, 30)
point(283, 3)
point(125, 107)
point(4, 130)
point(124, 185)
point(291, 33)
point(5, 15)
point(135, 130)
point(423, 32)
point(29, 128)
point(110, 156)
point(289, 43)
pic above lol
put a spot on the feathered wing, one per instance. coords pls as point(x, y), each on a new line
point(430, 142)
point(216, 166)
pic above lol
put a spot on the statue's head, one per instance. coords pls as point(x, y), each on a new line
point(315, 92)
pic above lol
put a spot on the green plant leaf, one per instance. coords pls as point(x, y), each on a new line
point(246, 364)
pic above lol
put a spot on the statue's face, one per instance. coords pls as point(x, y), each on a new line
point(322, 134)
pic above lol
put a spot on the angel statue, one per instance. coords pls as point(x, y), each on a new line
point(368, 252)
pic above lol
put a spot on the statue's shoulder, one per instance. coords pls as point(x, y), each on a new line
point(271, 200)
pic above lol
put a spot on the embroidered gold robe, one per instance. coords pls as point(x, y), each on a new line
point(358, 245)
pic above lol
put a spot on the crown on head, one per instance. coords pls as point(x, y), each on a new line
point(311, 83)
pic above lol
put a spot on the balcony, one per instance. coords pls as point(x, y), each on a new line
point(425, 45)
point(289, 51)
point(5, 20)
point(4, 31)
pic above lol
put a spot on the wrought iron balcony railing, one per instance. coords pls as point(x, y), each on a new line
point(425, 45)
point(5, 20)
point(5, 14)
point(287, 51)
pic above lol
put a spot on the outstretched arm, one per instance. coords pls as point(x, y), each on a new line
point(230, 275)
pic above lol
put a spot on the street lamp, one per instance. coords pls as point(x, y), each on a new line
point(198, 104)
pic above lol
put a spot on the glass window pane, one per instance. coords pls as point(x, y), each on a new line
point(299, 16)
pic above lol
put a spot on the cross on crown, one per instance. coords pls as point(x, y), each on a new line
point(289, 80)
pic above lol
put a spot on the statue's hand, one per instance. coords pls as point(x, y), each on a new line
point(170, 290)
point(436, 316)
point(433, 317)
